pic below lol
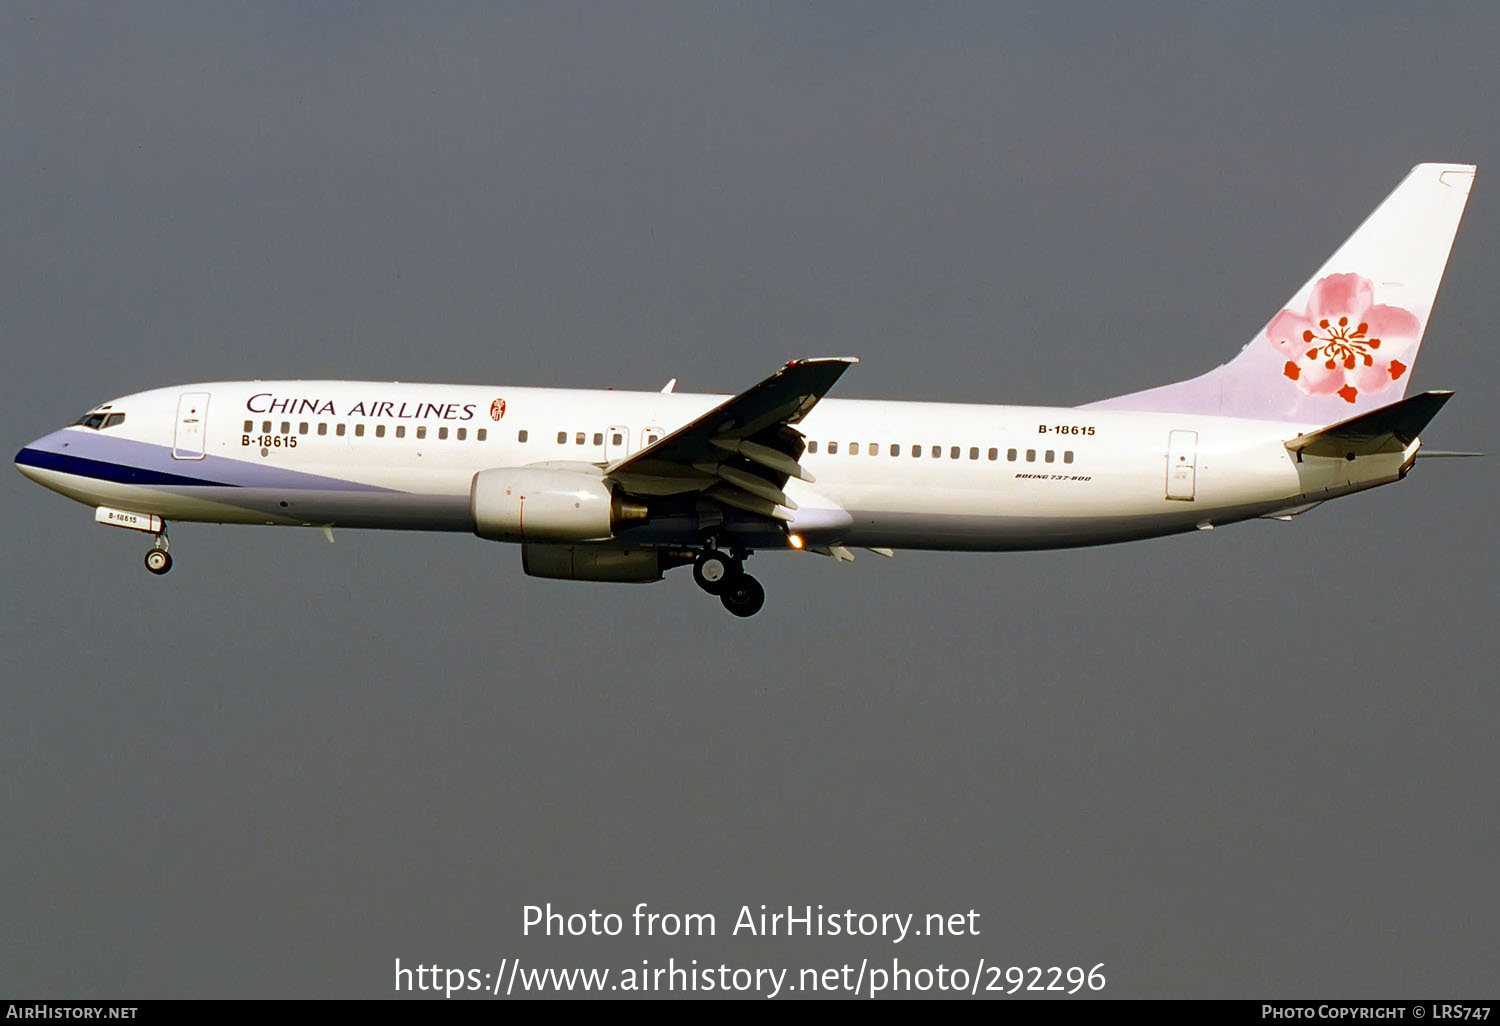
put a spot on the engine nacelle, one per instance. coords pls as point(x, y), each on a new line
point(624, 565)
point(530, 504)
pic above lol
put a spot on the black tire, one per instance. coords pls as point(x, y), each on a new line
point(158, 561)
point(713, 570)
point(743, 596)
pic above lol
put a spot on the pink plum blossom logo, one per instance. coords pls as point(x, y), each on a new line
point(1344, 343)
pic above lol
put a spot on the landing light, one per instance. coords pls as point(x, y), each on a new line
point(795, 540)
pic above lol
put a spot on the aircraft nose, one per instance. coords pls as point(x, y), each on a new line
point(25, 460)
point(40, 453)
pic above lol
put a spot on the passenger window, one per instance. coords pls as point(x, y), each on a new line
point(265, 427)
point(249, 426)
point(974, 452)
point(522, 435)
point(323, 427)
point(937, 452)
point(812, 447)
point(994, 455)
point(463, 434)
point(616, 439)
point(578, 439)
point(302, 428)
point(1030, 455)
point(895, 450)
point(443, 432)
point(359, 431)
point(562, 438)
point(1051, 455)
point(338, 429)
point(953, 453)
point(400, 430)
point(481, 434)
point(1010, 454)
point(286, 427)
point(379, 430)
point(1068, 456)
point(598, 437)
point(916, 452)
point(422, 431)
point(853, 448)
point(651, 438)
point(833, 448)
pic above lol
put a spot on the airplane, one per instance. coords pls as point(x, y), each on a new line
point(622, 486)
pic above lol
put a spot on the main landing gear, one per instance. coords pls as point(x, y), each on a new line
point(743, 595)
point(722, 574)
point(158, 558)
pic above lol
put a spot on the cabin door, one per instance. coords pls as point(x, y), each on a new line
point(1182, 465)
point(192, 419)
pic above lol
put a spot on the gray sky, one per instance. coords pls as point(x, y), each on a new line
point(1257, 762)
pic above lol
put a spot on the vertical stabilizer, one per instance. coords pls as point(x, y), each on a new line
point(1347, 340)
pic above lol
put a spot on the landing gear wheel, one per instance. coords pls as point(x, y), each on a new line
point(712, 571)
point(743, 595)
point(158, 561)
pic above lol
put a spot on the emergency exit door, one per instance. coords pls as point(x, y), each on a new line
point(1182, 465)
point(616, 443)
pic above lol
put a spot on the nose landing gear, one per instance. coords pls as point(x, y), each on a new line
point(158, 558)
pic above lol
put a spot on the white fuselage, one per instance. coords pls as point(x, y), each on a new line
point(887, 474)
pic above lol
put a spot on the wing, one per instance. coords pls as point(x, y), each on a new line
point(743, 450)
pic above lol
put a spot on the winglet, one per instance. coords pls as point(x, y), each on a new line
point(1388, 429)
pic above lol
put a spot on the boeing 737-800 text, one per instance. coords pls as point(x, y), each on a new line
point(604, 485)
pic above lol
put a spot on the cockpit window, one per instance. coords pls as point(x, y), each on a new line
point(103, 419)
point(100, 420)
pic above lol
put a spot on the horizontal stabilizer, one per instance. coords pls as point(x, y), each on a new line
point(1386, 430)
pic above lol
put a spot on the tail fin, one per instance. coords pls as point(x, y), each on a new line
point(1346, 342)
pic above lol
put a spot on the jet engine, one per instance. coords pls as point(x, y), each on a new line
point(532, 504)
point(625, 565)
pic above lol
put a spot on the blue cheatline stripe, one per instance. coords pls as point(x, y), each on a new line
point(105, 471)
